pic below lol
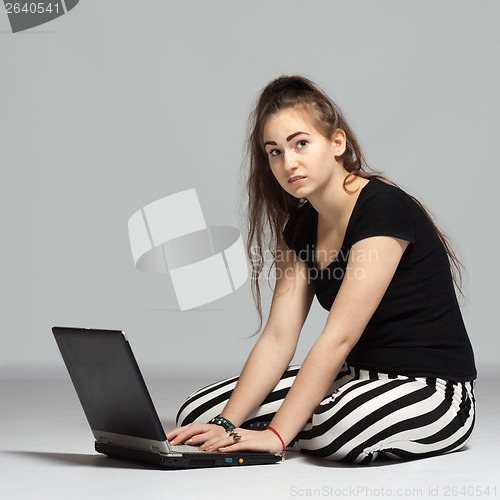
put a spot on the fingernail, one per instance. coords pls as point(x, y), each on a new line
point(189, 441)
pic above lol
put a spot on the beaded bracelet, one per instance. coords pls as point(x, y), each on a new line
point(224, 422)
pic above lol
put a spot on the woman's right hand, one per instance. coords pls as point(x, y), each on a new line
point(195, 434)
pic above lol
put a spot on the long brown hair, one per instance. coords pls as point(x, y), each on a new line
point(269, 205)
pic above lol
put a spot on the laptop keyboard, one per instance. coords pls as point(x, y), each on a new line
point(184, 448)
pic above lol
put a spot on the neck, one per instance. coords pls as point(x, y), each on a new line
point(333, 204)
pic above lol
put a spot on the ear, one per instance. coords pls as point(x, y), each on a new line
point(338, 141)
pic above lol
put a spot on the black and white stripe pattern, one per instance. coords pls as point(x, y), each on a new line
point(365, 415)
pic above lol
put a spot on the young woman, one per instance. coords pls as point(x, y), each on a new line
point(392, 372)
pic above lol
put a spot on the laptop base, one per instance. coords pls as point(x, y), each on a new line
point(186, 460)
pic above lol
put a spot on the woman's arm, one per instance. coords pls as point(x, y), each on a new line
point(370, 268)
point(271, 354)
point(275, 348)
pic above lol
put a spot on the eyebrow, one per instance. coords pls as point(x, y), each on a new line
point(288, 139)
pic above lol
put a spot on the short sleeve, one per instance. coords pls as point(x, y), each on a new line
point(297, 231)
point(385, 214)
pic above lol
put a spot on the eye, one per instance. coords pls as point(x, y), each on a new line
point(302, 144)
point(274, 152)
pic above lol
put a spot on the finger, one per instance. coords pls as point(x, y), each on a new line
point(212, 439)
point(215, 443)
point(219, 442)
point(193, 434)
point(183, 433)
point(178, 432)
point(180, 429)
point(230, 448)
point(198, 439)
point(183, 437)
point(173, 433)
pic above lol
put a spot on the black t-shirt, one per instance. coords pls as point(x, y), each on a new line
point(417, 329)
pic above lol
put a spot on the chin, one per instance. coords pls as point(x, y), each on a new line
point(295, 194)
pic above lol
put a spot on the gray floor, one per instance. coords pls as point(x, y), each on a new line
point(46, 451)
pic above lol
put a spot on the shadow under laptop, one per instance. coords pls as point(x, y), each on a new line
point(80, 460)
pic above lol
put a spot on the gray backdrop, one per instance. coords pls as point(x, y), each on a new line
point(119, 103)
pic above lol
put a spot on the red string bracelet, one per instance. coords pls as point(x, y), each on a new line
point(278, 434)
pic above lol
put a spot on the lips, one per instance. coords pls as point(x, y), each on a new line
point(295, 178)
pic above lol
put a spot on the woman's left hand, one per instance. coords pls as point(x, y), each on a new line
point(263, 441)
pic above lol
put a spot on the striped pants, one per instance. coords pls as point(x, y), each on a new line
point(365, 415)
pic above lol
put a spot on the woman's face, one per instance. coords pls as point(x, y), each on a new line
point(301, 158)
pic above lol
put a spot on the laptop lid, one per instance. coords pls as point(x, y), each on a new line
point(111, 388)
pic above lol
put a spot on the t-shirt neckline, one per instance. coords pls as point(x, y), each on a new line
point(315, 232)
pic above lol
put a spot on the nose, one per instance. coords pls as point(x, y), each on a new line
point(291, 162)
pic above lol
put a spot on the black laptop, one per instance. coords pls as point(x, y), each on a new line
point(119, 409)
